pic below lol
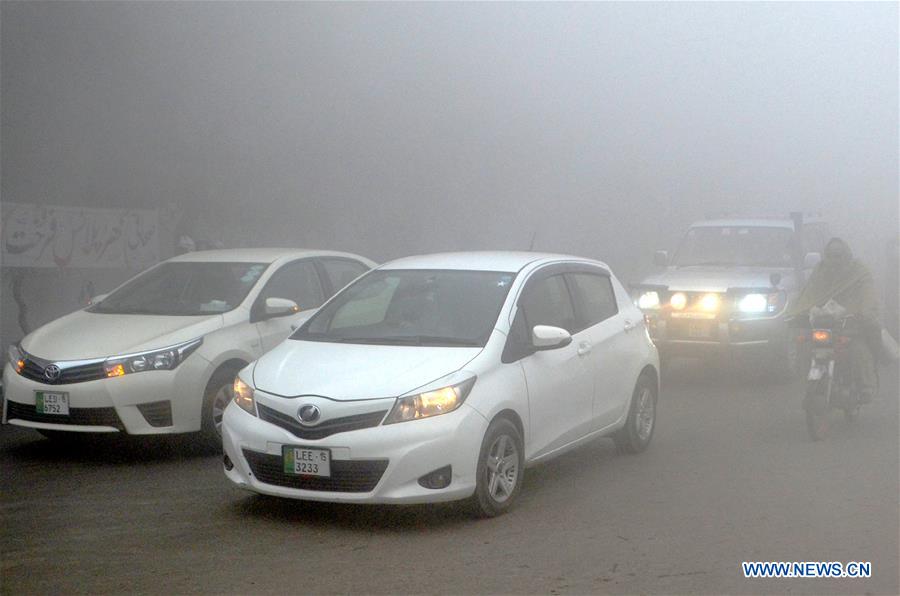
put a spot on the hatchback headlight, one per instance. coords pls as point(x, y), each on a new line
point(243, 396)
point(430, 403)
point(648, 301)
point(162, 359)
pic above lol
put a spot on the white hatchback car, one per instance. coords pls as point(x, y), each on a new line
point(440, 377)
point(159, 354)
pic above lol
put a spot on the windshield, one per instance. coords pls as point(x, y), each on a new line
point(746, 246)
point(413, 307)
point(184, 288)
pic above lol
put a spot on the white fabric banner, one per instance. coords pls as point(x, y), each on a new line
point(54, 236)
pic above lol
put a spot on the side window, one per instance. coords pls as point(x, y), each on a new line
point(547, 302)
point(296, 281)
point(341, 272)
point(596, 297)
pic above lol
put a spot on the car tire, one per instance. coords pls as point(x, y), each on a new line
point(635, 436)
point(218, 395)
point(500, 469)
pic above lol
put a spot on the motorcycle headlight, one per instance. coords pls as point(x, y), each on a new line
point(243, 396)
point(648, 300)
point(430, 403)
point(162, 359)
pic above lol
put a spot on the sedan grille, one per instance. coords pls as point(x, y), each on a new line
point(347, 476)
point(77, 416)
point(87, 371)
point(326, 429)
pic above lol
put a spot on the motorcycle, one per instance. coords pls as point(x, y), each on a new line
point(830, 384)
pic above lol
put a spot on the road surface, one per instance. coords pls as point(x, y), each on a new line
point(730, 477)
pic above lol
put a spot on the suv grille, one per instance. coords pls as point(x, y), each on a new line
point(326, 429)
point(89, 371)
point(77, 416)
point(347, 476)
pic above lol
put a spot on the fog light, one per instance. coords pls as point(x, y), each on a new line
point(440, 478)
point(226, 461)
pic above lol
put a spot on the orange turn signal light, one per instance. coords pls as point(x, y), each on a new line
point(116, 370)
point(20, 365)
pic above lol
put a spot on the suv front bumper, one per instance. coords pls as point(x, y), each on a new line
point(703, 336)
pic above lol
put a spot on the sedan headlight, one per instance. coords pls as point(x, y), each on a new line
point(16, 357)
point(648, 301)
point(430, 403)
point(243, 396)
point(162, 359)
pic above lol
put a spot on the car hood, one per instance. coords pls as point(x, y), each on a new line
point(354, 371)
point(715, 279)
point(83, 335)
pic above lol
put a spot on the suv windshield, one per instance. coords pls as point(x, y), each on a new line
point(184, 288)
point(746, 246)
point(413, 307)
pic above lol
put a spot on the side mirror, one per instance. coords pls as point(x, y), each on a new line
point(547, 337)
point(661, 258)
point(774, 279)
point(280, 307)
point(97, 299)
point(811, 260)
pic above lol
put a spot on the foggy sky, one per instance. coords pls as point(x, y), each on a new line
point(390, 129)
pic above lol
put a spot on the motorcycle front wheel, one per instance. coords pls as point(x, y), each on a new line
point(817, 409)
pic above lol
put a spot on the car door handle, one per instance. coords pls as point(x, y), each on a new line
point(294, 327)
point(584, 348)
point(629, 325)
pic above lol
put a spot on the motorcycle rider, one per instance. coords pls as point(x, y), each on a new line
point(848, 282)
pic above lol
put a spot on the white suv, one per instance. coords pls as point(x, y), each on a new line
point(159, 354)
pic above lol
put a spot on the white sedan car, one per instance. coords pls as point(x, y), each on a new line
point(160, 353)
point(440, 377)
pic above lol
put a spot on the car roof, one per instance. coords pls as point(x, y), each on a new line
point(260, 255)
point(510, 261)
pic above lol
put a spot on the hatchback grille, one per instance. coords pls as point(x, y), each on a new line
point(326, 429)
point(77, 416)
point(157, 413)
point(347, 476)
point(34, 370)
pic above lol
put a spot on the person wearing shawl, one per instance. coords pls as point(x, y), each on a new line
point(848, 282)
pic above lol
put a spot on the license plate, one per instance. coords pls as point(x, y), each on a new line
point(699, 329)
point(307, 461)
point(48, 402)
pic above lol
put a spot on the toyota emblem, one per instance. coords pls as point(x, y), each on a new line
point(308, 414)
point(51, 373)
